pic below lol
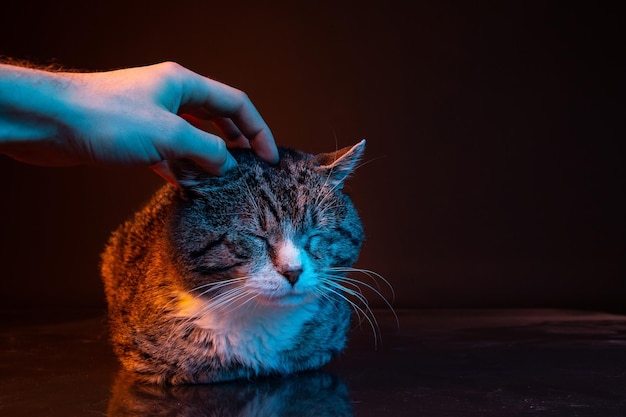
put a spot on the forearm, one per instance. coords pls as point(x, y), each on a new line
point(31, 107)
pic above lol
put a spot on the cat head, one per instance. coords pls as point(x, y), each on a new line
point(273, 233)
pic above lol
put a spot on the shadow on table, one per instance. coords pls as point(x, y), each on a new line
point(310, 394)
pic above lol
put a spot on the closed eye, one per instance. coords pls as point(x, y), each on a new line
point(258, 236)
point(208, 247)
point(312, 245)
point(261, 239)
point(316, 236)
point(215, 269)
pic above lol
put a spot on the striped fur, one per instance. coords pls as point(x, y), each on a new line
point(236, 276)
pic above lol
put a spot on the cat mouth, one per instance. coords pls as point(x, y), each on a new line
point(291, 299)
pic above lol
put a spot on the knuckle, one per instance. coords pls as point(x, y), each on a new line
point(240, 99)
point(170, 71)
point(171, 67)
point(243, 97)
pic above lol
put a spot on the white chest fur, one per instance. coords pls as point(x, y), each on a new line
point(250, 334)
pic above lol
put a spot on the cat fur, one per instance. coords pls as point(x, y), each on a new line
point(281, 233)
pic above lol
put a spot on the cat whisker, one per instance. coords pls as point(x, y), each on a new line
point(356, 283)
point(208, 287)
point(250, 299)
point(343, 280)
point(365, 311)
point(249, 193)
point(328, 207)
point(358, 294)
point(326, 296)
point(374, 276)
point(228, 301)
point(360, 297)
point(214, 286)
point(224, 299)
point(231, 305)
point(368, 161)
point(328, 191)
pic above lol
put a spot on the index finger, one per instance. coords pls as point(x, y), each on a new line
point(224, 101)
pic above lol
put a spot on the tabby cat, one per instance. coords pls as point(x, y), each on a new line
point(237, 276)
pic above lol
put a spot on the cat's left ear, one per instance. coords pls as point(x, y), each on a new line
point(341, 163)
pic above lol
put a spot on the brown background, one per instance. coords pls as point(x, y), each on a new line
point(494, 174)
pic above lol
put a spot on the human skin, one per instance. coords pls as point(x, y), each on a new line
point(134, 116)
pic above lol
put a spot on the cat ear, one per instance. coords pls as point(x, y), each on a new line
point(186, 173)
point(189, 176)
point(340, 164)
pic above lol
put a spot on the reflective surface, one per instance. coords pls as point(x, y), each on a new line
point(439, 363)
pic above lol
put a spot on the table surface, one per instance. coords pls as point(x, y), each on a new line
point(437, 363)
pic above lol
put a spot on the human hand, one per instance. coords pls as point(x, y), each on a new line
point(144, 115)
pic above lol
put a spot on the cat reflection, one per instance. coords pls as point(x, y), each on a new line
point(310, 394)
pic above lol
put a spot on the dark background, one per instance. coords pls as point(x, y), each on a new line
point(495, 175)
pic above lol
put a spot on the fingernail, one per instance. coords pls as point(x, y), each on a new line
point(230, 163)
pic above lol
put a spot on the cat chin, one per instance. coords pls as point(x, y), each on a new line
point(286, 301)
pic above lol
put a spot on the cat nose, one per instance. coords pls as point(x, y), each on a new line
point(292, 275)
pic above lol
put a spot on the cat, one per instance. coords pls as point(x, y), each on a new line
point(237, 276)
point(306, 394)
